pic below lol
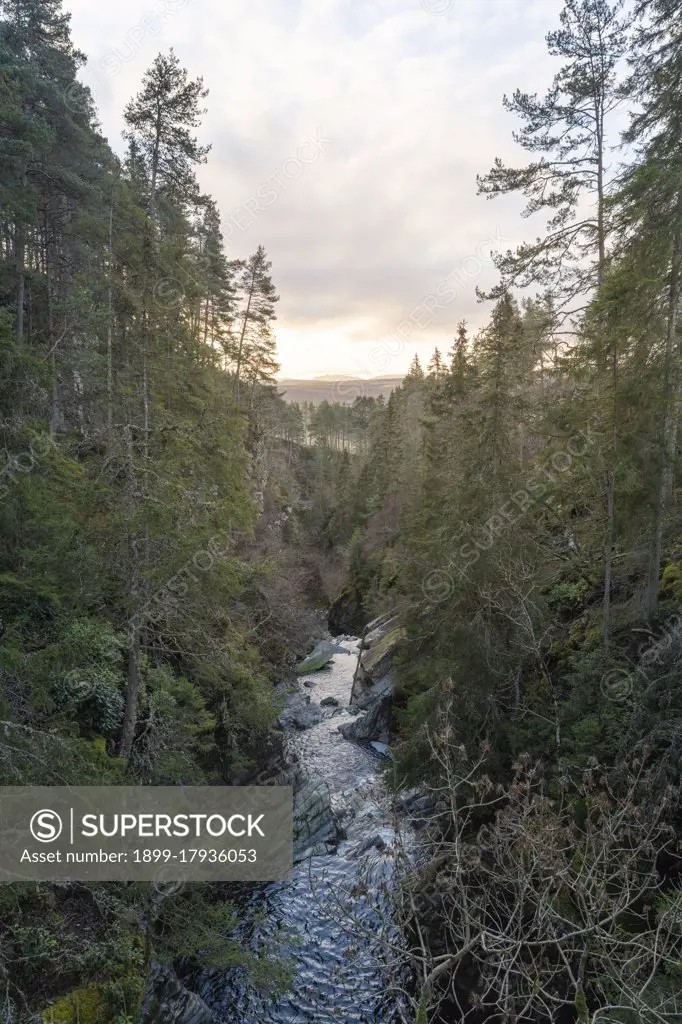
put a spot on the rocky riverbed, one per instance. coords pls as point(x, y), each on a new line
point(333, 916)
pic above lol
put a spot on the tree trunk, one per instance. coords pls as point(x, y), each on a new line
point(610, 472)
point(206, 312)
point(136, 621)
point(54, 411)
point(671, 399)
point(20, 264)
point(155, 165)
point(110, 364)
point(241, 336)
point(132, 695)
point(608, 558)
point(601, 228)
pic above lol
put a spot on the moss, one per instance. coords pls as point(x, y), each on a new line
point(671, 580)
point(422, 1010)
point(104, 1003)
point(593, 635)
point(581, 1005)
point(82, 1006)
point(373, 656)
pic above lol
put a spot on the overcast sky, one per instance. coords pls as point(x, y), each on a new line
point(346, 136)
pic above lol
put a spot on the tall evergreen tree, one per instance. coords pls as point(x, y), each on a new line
point(652, 201)
point(253, 330)
point(161, 119)
point(567, 128)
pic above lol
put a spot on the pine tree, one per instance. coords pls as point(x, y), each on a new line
point(160, 119)
point(254, 337)
point(436, 368)
point(568, 129)
point(459, 363)
point(652, 201)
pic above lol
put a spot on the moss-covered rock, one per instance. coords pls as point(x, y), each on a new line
point(381, 651)
point(319, 657)
point(99, 1003)
point(82, 1006)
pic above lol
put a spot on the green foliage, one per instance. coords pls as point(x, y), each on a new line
point(129, 581)
point(93, 698)
point(513, 503)
point(568, 597)
point(82, 1006)
point(671, 580)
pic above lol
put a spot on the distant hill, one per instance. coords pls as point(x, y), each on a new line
point(343, 389)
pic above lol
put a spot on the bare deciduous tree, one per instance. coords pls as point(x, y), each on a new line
point(539, 899)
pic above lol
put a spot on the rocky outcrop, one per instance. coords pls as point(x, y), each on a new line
point(375, 724)
point(377, 649)
point(373, 684)
point(347, 614)
point(369, 692)
point(315, 823)
point(167, 1001)
point(421, 807)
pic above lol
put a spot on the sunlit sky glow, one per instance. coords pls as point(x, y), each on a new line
point(359, 229)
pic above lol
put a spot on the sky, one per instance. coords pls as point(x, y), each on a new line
point(346, 138)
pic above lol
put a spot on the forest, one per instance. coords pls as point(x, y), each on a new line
point(173, 534)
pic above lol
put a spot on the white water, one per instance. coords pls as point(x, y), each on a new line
point(335, 903)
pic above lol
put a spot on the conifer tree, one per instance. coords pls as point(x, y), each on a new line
point(161, 119)
point(567, 128)
point(651, 200)
point(254, 321)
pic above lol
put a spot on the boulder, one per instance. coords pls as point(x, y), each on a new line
point(167, 1001)
point(300, 715)
point(314, 820)
point(373, 725)
point(320, 656)
point(329, 702)
point(421, 807)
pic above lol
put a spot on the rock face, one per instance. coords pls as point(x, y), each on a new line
point(167, 1001)
point(320, 656)
point(316, 826)
point(377, 649)
point(375, 724)
point(346, 614)
point(373, 684)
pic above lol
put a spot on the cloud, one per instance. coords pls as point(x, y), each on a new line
point(412, 101)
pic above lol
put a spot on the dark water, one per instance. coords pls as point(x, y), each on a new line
point(337, 903)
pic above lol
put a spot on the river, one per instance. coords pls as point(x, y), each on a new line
point(335, 901)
